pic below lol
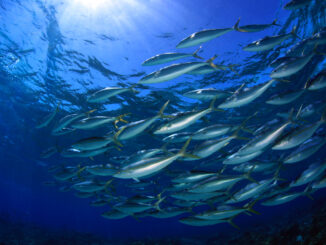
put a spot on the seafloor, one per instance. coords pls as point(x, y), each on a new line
point(306, 225)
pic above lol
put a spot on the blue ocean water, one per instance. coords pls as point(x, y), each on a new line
point(59, 51)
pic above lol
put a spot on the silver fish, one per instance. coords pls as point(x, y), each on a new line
point(244, 97)
point(184, 121)
point(133, 129)
point(269, 42)
point(207, 94)
point(168, 57)
point(149, 166)
point(48, 119)
point(306, 150)
point(103, 95)
point(254, 28)
point(297, 4)
point(298, 136)
point(201, 37)
point(310, 174)
point(173, 71)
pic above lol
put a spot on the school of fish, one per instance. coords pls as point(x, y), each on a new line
point(202, 171)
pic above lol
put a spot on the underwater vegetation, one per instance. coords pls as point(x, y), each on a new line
point(193, 134)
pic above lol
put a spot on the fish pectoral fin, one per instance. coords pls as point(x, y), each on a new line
point(136, 179)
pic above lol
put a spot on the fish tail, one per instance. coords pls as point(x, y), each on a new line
point(231, 67)
point(243, 124)
point(323, 116)
point(294, 32)
point(230, 195)
point(308, 191)
point(183, 152)
point(195, 53)
point(107, 184)
point(277, 173)
point(236, 25)
point(80, 170)
point(230, 221)
point(160, 199)
point(235, 135)
point(212, 105)
point(249, 207)
point(248, 175)
point(210, 61)
point(274, 23)
point(120, 119)
point(132, 88)
point(160, 113)
point(116, 136)
point(58, 107)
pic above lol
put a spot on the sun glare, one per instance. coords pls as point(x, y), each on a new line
point(94, 4)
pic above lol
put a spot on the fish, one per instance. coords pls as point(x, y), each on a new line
point(143, 154)
point(319, 184)
point(299, 135)
point(173, 71)
point(219, 183)
point(218, 130)
point(207, 94)
point(184, 121)
point(318, 82)
point(209, 68)
point(250, 191)
point(92, 143)
point(293, 66)
point(209, 147)
point(103, 95)
point(68, 173)
point(193, 176)
point(256, 167)
point(285, 97)
point(168, 57)
point(310, 174)
point(201, 37)
point(307, 149)
point(131, 207)
point(254, 28)
point(96, 122)
point(284, 198)
point(269, 42)
point(281, 60)
point(134, 129)
point(241, 98)
point(190, 196)
point(49, 118)
point(296, 4)
point(318, 38)
point(238, 157)
point(149, 166)
point(49, 152)
point(114, 214)
point(91, 186)
point(72, 152)
point(225, 212)
point(177, 137)
point(67, 120)
point(193, 221)
point(102, 170)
